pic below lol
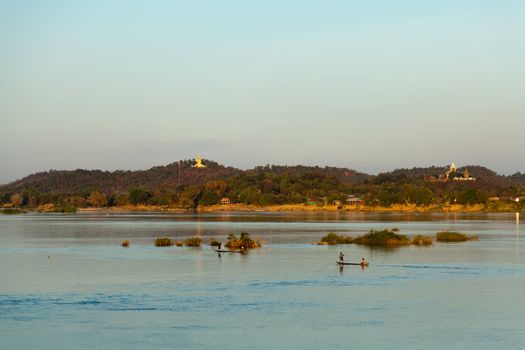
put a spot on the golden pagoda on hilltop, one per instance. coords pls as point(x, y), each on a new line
point(198, 163)
point(452, 174)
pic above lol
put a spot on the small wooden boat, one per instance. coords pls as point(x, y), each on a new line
point(228, 251)
point(355, 264)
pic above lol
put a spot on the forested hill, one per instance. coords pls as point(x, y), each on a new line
point(157, 178)
point(183, 185)
point(518, 177)
point(171, 176)
point(344, 175)
point(161, 177)
point(483, 175)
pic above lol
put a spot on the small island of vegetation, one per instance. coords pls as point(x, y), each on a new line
point(334, 239)
point(382, 238)
point(242, 242)
point(214, 242)
point(422, 240)
point(386, 238)
point(391, 238)
point(193, 242)
point(450, 236)
point(168, 242)
point(163, 242)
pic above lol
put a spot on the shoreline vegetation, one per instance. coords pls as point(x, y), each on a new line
point(408, 208)
point(205, 186)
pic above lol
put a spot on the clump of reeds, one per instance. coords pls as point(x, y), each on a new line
point(65, 209)
point(179, 243)
point(333, 239)
point(422, 240)
point(163, 242)
point(214, 242)
point(125, 243)
point(382, 238)
point(12, 211)
point(450, 236)
point(193, 242)
point(243, 242)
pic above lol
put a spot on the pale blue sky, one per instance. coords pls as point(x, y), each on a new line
point(370, 85)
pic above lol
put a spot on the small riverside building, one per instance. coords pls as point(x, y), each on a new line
point(353, 200)
point(225, 201)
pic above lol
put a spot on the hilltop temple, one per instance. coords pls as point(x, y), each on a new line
point(452, 174)
point(198, 163)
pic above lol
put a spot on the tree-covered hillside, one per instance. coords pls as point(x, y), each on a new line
point(180, 184)
point(159, 177)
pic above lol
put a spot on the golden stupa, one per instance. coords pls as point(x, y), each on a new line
point(198, 163)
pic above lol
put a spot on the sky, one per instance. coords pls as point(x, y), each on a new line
point(370, 85)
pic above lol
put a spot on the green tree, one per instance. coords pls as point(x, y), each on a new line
point(267, 186)
point(218, 187)
point(138, 195)
point(16, 199)
point(297, 198)
point(208, 198)
point(423, 196)
point(97, 199)
point(189, 198)
point(267, 199)
point(250, 195)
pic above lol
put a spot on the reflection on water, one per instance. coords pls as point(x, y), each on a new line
point(517, 237)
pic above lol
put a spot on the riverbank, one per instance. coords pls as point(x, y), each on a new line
point(456, 208)
point(404, 208)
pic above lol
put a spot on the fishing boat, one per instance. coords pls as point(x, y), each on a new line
point(350, 263)
point(228, 251)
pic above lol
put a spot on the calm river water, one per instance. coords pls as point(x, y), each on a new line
point(65, 283)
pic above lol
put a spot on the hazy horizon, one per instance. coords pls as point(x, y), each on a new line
point(371, 86)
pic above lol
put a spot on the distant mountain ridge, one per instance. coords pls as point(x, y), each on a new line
point(183, 173)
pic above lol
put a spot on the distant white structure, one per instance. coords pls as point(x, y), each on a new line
point(451, 174)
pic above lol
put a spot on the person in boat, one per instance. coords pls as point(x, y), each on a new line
point(364, 262)
point(219, 245)
point(341, 257)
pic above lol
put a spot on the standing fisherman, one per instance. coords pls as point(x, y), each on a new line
point(341, 257)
